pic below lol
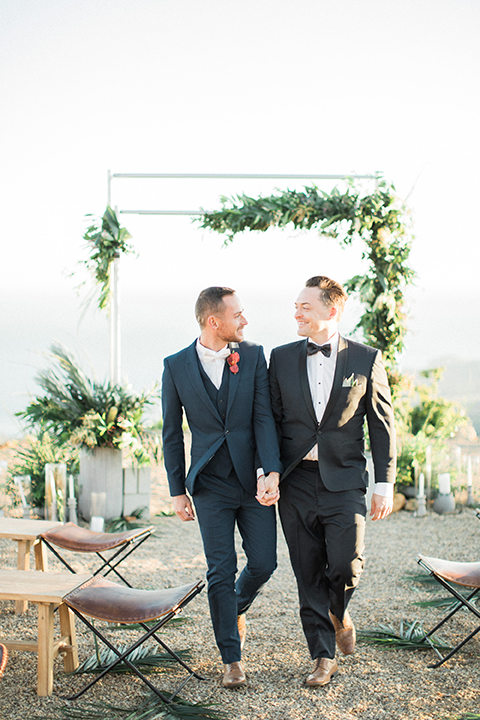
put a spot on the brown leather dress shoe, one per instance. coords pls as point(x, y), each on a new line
point(322, 673)
point(242, 629)
point(233, 675)
point(344, 633)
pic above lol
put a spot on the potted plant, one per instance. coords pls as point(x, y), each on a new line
point(98, 418)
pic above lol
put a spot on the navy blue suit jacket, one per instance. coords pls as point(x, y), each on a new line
point(248, 429)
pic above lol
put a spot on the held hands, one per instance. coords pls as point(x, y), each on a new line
point(183, 507)
point(380, 507)
point(267, 489)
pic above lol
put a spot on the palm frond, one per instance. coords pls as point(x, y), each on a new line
point(409, 637)
point(422, 578)
point(445, 602)
point(152, 708)
point(141, 657)
point(125, 522)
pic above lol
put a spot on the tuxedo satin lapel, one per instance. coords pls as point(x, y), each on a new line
point(302, 366)
point(342, 355)
point(193, 372)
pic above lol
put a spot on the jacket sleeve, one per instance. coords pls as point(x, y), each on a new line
point(263, 423)
point(381, 428)
point(172, 434)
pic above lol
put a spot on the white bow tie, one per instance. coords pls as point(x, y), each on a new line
point(209, 355)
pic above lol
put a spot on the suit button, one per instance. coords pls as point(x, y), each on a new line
point(226, 432)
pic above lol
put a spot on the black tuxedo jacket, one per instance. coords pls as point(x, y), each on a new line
point(360, 390)
point(248, 427)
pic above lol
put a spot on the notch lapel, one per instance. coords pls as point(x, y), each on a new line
point(342, 355)
point(234, 378)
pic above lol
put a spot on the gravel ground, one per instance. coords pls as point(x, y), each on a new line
point(373, 684)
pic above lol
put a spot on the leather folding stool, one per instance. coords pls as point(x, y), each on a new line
point(77, 539)
point(450, 574)
point(3, 658)
point(102, 599)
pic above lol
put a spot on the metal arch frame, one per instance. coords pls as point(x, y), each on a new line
point(115, 330)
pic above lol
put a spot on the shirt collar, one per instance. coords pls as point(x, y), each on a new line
point(203, 351)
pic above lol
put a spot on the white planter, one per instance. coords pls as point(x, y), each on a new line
point(101, 472)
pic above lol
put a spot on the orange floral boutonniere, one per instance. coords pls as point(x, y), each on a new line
point(232, 360)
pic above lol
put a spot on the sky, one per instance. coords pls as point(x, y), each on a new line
point(178, 86)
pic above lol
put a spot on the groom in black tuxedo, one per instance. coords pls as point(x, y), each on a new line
point(222, 384)
point(322, 389)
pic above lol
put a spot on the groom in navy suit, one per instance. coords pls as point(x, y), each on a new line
point(221, 382)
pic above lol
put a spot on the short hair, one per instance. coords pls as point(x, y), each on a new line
point(332, 293)
point(210, 302)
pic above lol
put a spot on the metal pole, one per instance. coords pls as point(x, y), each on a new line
point(241, 176)
point(111, 323)
point(118, 337)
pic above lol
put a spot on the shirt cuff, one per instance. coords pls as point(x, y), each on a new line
point(260, 472)
point(384, 489)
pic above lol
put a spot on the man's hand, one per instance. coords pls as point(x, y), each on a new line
point(267, 488)
point(183, 507)
point(380, 507)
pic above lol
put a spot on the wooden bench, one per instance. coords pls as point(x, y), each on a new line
point(46, 590)
point(25, 533)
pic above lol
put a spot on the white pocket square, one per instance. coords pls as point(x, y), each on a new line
point(350, 382)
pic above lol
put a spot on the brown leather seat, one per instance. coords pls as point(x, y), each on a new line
point(78, 539)
point(460, 573)
point(102, 599)
point(449, 574)
point(105, 600)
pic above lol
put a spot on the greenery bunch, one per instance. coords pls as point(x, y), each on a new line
point(410, 636)
point(380, 219)
point(90, 414)
point(423, 419)
point(150, 707)
point(106, 240)
point(30, 458)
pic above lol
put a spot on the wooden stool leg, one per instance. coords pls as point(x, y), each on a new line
point(45, 649)
point(41, 560)
point(23, 563)
point(68, 646)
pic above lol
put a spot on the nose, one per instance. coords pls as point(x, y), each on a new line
point(297, 314)
point(243, 320)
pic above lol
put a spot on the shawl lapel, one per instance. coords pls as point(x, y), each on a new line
point(193, 372)
point(302, 366)
point(342, 355)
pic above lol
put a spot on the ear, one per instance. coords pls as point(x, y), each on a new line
point(333, 313)
point(212, 322)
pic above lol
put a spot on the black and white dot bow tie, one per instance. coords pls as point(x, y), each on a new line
point(313, 348)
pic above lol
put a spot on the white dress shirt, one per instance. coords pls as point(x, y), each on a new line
point(213, 362)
